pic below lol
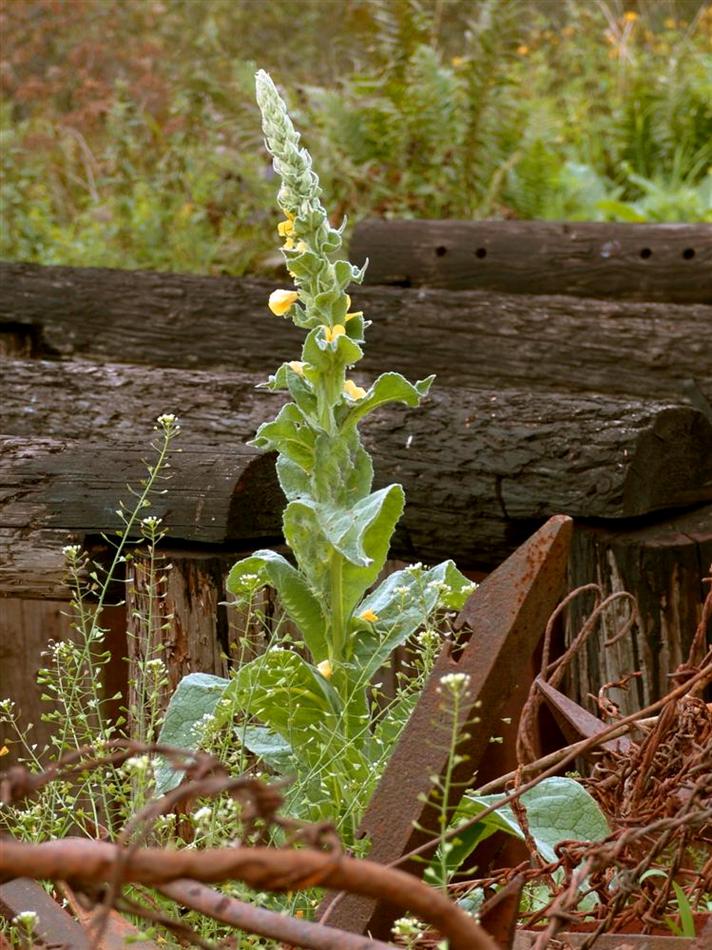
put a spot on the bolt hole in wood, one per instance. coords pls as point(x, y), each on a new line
point(688, 253)
point(441, 251)
point(481, 252)
point(646, 253)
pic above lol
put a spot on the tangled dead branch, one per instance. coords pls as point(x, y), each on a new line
point(100, 869)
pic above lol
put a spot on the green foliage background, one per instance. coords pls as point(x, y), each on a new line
point(130, 138)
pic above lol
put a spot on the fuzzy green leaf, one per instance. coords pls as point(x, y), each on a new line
point(403, 603)
point(268, 746)
point(294, 595)
point(291, 698)
point(293, 480)
point(558, 809)
point(389, 387)
point(288, 434)
point(196, 696)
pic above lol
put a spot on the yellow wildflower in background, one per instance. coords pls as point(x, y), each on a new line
point(326, 669)
point(280, 301)
point(353, 391)
point(331, 333)
point(369, 616)
point(630, 16)
point(522, 50)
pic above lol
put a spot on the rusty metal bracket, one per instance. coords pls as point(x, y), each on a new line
point(505, 619)
point(576, 722)
point(498, 915)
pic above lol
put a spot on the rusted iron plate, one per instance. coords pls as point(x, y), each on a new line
point(498, 915)
point(505, 618)
point(576, 722)
point(55, 927)
point(526, 939)
point(117, 934)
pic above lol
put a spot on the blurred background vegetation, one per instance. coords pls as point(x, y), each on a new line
point(130, 137)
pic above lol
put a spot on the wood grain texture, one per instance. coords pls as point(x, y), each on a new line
point(480, 338)
point(480, 467)
point(662, 564)
point(664, 262)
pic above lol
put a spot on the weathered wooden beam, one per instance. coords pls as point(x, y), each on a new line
point(665, 262)
point(649, 350)
point(480, 468)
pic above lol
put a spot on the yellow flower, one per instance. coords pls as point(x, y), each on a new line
point(353, 391)
point(522, 50)
point(326, 669)
point(4, 751)
point(288, 244)
point(457, 61)
point(350, 316)
point(630, 16)
point(285, 228)
point(671, 23)
point(280, 301)
point(296, 367)
point(331, 333)
point(369, 616)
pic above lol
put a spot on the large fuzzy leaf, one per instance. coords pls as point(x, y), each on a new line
point(348, 529)
point(558, 809)
point(289, 434)
point(374, 542)
point(291, 698)
point(389, 387)
point(294, 594)
point(195, 697)
point(403, 603)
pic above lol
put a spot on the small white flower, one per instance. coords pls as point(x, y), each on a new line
point(456, 683)
point(26, 919)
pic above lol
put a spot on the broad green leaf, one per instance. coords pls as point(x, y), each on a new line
point(558, 809)
point(291, 698)
point(290, 434)
point(343, 470)
point(293, 480)
point(268, 746)
point(347, 528)
point(195, 697)
point(403, 603)
point(389, 387)
point(344, 273)
point(305, 537)
point(301, 392)
point(318, 352)
point(294, 594)
point(375, 542)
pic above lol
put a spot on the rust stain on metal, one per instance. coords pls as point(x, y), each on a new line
point(504, 620)
point(576, 722)
point(499, 914)
point(54, 925)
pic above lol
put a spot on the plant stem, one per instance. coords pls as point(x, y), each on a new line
point(337, 606)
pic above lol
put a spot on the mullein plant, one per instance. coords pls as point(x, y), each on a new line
point(314, 703)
